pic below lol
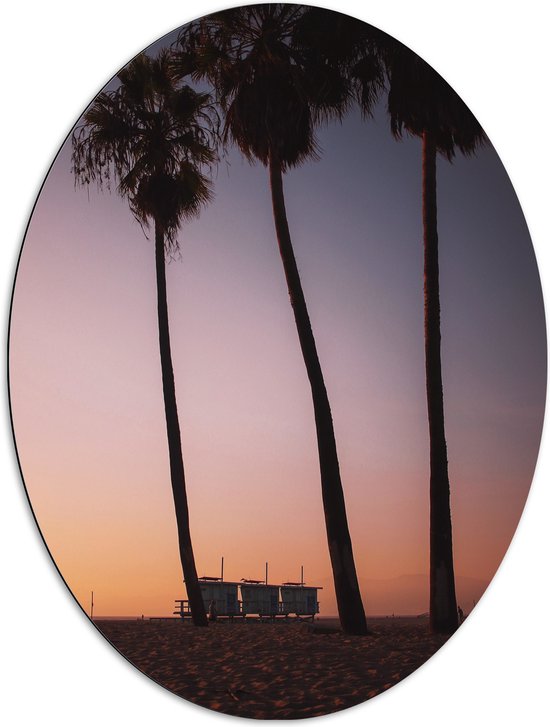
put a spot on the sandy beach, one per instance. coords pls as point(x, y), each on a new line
point(283, 670)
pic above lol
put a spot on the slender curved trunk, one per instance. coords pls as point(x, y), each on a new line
point(348, 596)
point(177, 474)
point(443, 611)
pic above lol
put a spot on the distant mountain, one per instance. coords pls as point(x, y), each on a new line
point(403, 595)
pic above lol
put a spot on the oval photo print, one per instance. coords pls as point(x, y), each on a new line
point(277, 361)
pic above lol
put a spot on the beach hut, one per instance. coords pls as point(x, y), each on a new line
point(259, 598)
point(224, 593)
point(299, 599)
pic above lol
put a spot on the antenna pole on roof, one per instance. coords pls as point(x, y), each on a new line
point(222, 567)
point(266, 574)
point(302, 576)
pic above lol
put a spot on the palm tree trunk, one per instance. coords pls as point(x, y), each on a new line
point(443, 610)
point(348, 596)
point(177, 474)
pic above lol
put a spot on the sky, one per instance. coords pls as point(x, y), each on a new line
point(87, 399)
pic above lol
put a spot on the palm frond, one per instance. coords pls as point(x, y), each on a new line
point(156, 137)
point(271, 88)
point(419, 100)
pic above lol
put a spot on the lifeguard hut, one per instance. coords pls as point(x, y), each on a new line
point(223, 593)
point(299, 599)
point(259, 598)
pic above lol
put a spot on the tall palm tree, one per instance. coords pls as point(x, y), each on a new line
point(273, 92)
point(421, 103)
point(154, 136)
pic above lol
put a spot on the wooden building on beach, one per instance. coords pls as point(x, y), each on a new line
point(299, 599)
point(257, 598)
point(224, 594)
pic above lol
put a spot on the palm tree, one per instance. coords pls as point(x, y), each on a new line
point(273, 92)
point(421, 103)
point(154, 136)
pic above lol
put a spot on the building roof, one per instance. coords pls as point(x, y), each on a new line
point(216, 581)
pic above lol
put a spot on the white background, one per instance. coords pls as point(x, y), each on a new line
point(55, 57)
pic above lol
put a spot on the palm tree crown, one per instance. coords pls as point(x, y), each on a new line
point(272, 89)
point(349, 49)
point(420, 100)
point(156, 137)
